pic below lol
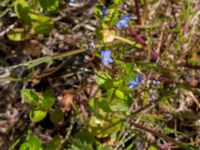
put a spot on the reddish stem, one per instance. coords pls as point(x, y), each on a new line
point(137, 36)
point(140, 126)
point(137, 11)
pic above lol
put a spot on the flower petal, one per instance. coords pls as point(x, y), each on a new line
point(104, 11)
point(123, 21)
point(133, 84)
point(138, 79)
point(106, 57)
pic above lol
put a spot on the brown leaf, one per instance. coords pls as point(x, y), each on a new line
point(66, 102)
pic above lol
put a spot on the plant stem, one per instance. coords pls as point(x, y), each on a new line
point(137, 11)
point(140, 126)
point(128, 41)
point(67, 54)
point(137, 36)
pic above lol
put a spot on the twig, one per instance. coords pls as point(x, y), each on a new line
point(10, 27)
point(195, 99)
point(152, 131)
point(160, 39)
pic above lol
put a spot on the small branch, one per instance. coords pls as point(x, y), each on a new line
point(10, 27)
point(152, 131)
point(188, 66)
point(196, 101)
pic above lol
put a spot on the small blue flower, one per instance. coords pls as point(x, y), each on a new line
point(134, 83)
point(123, 21)
point(104, 11)
point(86, 58)
point(106, 59)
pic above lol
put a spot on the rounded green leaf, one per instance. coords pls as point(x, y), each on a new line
point(37, 115)
point(25, 146)
point(41, 24)
point(120, 94)
point(103, 128)
point(57, 116)
point(118, 83)
point(49, 5)
point(103, 80)
point(17, 34)
point(48, 100)
point(33, 143)
point(30, 96)
point(55, 144)
point(22, 10)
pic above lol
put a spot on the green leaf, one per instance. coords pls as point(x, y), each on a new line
point(152, 148)
point(104, 147)
point(22, 10)
point(112, 15)
point(25, 146)
point(101, 80)
point(85, 137)
point(120, 105)
point(120, 94)
point(110, 93)
point(104, 81)
point(117, 1)
point(48, 100)
point(130, 71)
point(37, 115)
point(104, 105)
point(57, 116)
point(56, 144)
point(33, 143)
point(49, 5)
point(103, 128)
point(17, 34)
point(94, 105)
point(30, 96)
point(77, 145)
point(83, 140)
point(41, 24)
point(117, 83)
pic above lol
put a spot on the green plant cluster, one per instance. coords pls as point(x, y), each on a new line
point(120, 78)
point(34, 16)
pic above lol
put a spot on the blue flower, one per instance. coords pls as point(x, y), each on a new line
point(134, 83)
point(104, 11)
point(105, 55)
point(123, 21)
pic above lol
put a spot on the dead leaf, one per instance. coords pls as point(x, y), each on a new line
point(108, 36)
point(66, 102)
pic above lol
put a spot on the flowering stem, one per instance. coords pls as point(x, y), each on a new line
point(138, 45)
